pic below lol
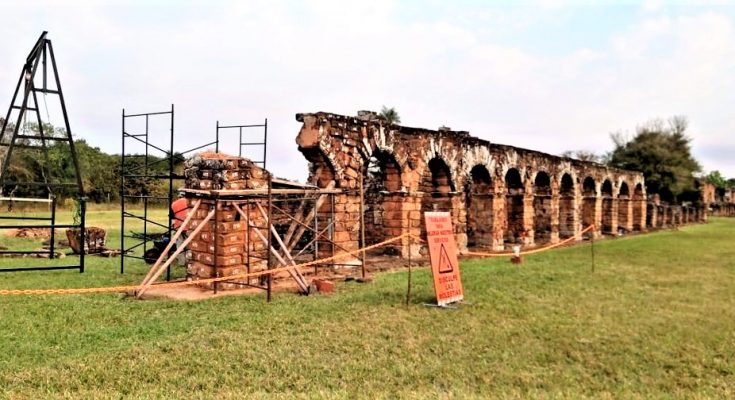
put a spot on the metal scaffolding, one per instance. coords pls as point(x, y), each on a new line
point(143, 167)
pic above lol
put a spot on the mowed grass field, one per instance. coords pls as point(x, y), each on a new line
point(655, 319)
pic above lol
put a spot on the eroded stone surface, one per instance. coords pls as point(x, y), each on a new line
point(497, 194)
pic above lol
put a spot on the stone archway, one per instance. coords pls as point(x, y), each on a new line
point(437, 186)
point(514, 229)
point(382, 190)
point(624, 210)
point(567, 201)
point(639, 206)
point(589, 201)
point(542, 207)
point(479, 207)
point(608, 208)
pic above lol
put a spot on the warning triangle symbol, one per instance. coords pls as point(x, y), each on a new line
point(445, 266)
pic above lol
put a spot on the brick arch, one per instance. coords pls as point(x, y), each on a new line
point(542, 206)
point(382, 191)
point(437, 177)
point(590, 191)
point(515, 189)
point(479, 197)
point(567, 189)
point(568, 172)
point(625, 211)
point(609, 218)
point(322, 169)
point(639, 207)
point(348, 141)
point(383, 168)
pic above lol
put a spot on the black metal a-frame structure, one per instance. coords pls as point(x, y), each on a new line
point(40, 56)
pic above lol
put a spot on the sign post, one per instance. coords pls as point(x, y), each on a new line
point(443, 256)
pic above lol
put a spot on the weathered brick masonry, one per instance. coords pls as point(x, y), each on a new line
point(233, 243)
point(497, 194)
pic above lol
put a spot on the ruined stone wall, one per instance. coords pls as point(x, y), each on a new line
point(497, 194)
point(226, 240)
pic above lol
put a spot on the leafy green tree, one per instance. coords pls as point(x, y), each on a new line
point(100, 172)
point(390, 115)
point(661, 150)
point(715, 178)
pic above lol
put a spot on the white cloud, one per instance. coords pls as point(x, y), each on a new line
point(244, 61)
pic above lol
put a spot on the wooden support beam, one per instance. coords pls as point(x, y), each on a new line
point(300, 281)
point(145, 286)
point(251, 192)
point(299, 231)
point(172, 241)
point(283, 246)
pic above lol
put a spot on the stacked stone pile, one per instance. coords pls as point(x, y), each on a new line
point(217, 171)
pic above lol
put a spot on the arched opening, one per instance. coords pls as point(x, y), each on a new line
point(381, 185)
point(437, 185)
point(679, 215)
point(321, 171)
point(323, 175)
point(514, 232)
point(662, 216)
point(639, 204)
point(437, 179)
point(589, 199)
point(566, 206)
point(607, 207)
point(542, 207)
point(624, 207)
point(479, 208)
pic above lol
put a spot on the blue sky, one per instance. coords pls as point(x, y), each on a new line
point(549, 75)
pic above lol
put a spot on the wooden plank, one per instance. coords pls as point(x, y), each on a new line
point(145, 286)
point(298, 278)
point(172, 241)
point(249, 192)
point(283, 246)
point(292, 239)
point(294, 183)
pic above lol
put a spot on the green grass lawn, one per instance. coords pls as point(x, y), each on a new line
point(655, 319)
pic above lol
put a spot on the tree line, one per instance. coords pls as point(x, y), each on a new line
point(661, 150)
point(100, 172)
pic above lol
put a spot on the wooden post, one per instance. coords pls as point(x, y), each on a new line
point(144, 286)
point(408, 288)
point(295, 274)
point(171, 241)
point(362, 220)
point(592, 246)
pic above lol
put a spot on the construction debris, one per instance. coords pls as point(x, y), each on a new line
point(30, 233)
point(94, 240)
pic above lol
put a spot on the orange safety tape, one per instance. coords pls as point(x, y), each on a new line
point(129, 288)
point(534, 251)
point(114, 289)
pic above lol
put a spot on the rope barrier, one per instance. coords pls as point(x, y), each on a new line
point(354, 253)
point(534, 251)
point(130, 288)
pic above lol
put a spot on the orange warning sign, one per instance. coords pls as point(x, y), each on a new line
point(443, 256)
